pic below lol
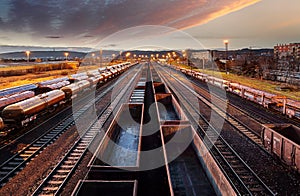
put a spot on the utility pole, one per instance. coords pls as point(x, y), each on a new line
point(101, 52)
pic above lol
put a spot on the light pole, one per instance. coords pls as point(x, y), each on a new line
point(226, 54)
point(121, 58)
point(185, 54)
point(113, 57)
point(28, 55)
point(226, 48)
point(93, 58)
point(66, 55)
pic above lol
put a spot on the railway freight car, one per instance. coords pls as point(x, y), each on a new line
point(106, 75)
point(53, 81)
point(5, 101)
point(292, 108)
point(93, 73)
point(25, 111)
point(112, 70)
point(102, 70)
point(1, 124)
point(21, 113)
point(93, 81)
point(288, 107)
point(78, 77)
point(201, 76)
point(283, 141)
point(18, 89)
point(72, 90)
point(217, 82)
point(255, 95)
point(53, 84)
point(119, 69)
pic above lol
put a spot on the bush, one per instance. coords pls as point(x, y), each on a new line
point(64, 73)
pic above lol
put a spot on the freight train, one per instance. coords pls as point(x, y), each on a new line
point(286, 106)
point(22, 105)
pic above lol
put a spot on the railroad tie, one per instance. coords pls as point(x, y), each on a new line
point(55, 182)
point(259, 190)
point(59, 176)
point(50, 189)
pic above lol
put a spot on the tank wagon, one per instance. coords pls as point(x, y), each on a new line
point(72, 90)
point(53, 84)
point(22, 105)
point(5, 101)
point(18, 89)
point(25, 111)
point(1, 124)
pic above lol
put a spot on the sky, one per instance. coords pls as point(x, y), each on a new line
point(132, 24)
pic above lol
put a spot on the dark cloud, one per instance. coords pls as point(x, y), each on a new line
point(88, 36)
point(53, 37)
point(109, 46)
point(99, 18)
point(5, 38)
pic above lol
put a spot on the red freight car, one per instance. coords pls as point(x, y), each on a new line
point(283, 141)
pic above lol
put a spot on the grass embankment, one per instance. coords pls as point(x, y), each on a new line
point(265, 85)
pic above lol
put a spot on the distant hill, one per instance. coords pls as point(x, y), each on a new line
point(9, 49)
point(55, 55)
point(42, 55)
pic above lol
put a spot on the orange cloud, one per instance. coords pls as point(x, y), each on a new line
point(209, 11)
point(180, 14)
point(286, 24)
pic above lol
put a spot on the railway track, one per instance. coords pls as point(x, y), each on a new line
point(9, 141)
point(254, 113)
point(58, 177)
point(236, 123)
point(19, 160)
point(244, 180)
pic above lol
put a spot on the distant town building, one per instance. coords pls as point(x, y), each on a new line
point(205, 55)
point(201, 57)
point(287, 50)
